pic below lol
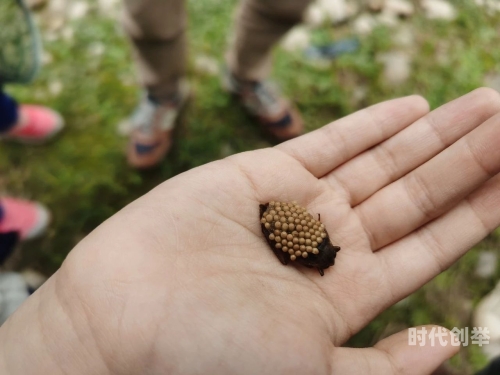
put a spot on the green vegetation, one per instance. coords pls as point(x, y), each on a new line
point(83, 178)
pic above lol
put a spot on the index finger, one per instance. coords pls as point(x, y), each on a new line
point(325, 149)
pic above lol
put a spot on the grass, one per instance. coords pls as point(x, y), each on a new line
point(83, 178)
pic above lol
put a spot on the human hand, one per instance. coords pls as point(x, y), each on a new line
point(182, 281)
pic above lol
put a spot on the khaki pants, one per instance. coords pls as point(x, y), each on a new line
point(158, 31)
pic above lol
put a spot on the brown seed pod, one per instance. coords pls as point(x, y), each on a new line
point(321, 255)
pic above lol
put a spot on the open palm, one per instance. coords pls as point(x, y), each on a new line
point(182, 281)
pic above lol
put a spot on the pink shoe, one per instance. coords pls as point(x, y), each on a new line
point(30, 219)
point(36, 124)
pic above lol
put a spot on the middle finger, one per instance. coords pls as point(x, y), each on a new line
point(434, 187)
point(387, 162)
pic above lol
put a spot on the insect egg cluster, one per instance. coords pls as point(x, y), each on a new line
point(292, 229)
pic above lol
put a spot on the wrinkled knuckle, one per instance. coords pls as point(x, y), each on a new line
point(365, 223)
point(387, 160)
point(421, 195)
point(436, 247)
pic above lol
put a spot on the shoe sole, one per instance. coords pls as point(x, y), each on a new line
point(143, 163)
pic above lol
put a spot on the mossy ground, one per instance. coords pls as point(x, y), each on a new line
point(83, 178)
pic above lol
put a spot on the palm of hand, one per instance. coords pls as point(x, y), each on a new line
point(182, 280)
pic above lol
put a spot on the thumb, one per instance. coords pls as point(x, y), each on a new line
point(399, 354)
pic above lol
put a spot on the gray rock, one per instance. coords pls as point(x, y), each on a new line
point(397, 67)
point(490, 5)
point(439, 9)
point(387, 18)
point(297, 39)
point(487, 314)
point(399, 7)
point(486, 264)
point(335, 10)
point(314, 16)
point(404, 37)
point(364, 24)
point(78, 10)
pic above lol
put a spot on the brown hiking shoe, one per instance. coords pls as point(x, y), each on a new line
point(150, 129)
point(262, 100)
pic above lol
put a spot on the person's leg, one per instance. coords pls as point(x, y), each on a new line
point(8, 113)
point(157, 29)
point(259, 25)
